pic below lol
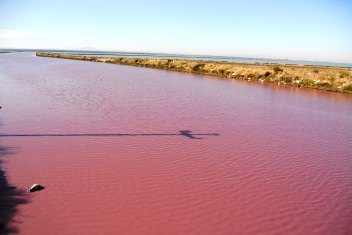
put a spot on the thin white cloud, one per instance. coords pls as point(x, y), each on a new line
point(10, 33)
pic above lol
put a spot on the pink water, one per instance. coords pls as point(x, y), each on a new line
point(281, 164)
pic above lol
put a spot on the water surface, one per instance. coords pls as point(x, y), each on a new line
point(280, 164)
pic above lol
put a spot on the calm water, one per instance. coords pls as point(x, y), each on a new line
point(280, 164)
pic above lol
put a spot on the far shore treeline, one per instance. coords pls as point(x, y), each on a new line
point(328, 78)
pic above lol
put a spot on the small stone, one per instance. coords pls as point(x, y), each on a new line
point(35, 187)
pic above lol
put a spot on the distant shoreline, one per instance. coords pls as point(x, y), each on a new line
point(329, 78)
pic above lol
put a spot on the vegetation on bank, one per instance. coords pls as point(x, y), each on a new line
point(319, 77)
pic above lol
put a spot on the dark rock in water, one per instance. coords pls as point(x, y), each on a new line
point(35, 187)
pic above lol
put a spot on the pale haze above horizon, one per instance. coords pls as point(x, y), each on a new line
point(315, 30)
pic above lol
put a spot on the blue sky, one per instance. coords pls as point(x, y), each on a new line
point(319, 30)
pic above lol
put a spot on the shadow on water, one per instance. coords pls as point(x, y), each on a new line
point(10, 197)
point(185, 133)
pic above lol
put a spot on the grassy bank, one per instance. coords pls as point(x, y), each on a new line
point(319, 77)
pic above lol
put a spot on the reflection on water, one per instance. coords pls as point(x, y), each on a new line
point(280, 163)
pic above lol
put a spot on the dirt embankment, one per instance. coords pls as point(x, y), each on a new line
point(319, 77)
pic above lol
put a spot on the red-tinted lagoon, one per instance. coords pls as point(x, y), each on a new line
point(281, 164)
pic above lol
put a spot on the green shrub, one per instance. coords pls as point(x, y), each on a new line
point(277, 69)
point(252, 76)
point(267, 74)
point(286, 79)
point(344, 74)
point(325, 85)
point(198, 67)
point(347, 87)
point(307, 82)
